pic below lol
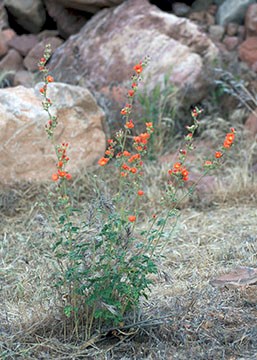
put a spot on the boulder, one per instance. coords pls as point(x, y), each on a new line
point(103, 53)
point(24, 78)
point(231, 42)
point(3, 45)
point(216, 32)
point(248, 51)
point(32, 58)
point(232, 11)
point(68, 21)
point(91, 6)
point(26, 152)
point(12, 61)
point(251, 20)
point(3, 17)
point(23, 43)
point(251, 123)
point(29, 14)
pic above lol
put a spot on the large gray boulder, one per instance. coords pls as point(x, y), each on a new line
point(232, 11)
point(29, 14)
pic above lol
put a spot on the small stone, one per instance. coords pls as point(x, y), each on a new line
point(232, 29)
point(248, 51)
point(12, 61)
point(180, 9)
point(231, 42)
point(251, 121)
point(216, 32)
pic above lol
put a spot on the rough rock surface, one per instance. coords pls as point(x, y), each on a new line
point(23, 43)
point(91, 6)
point(248, 51)
point(30, 14)
point(68, 21)
point(251, 20)
point(26, 153)
point(176, 46)
point(31, 60)
point(11, 61)
point(232, 11)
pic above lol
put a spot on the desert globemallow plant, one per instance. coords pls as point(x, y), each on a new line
point(104, 270)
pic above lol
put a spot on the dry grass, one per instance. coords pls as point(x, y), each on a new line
point(184, 317)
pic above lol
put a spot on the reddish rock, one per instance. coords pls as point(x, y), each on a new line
point(248, 50)
point(231, 42)
point(24, 78)
point(251, 20)
point(23, 43)
point(251, 123)
point(111, 42)
point(232, 29)
point(8, 34)
point(26, 152)
point(12, 61)
point(68, 21)
point(31, 60)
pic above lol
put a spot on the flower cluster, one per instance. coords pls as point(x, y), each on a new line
point(228, 142)
point(179, 171)
point(62, 161)
point(229, 139)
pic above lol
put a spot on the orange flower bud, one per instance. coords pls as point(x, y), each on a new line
point(140, 192)
point(49, 79)
point(132, 218)
point(218, 154)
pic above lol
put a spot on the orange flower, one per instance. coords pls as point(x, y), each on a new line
point(42, 90)
point(60, 164)
point(124, 111)
point(125, 167)
point(123, 174)
point(49, 78)
point(134, 157)
point(148, 124)
point(55, 177)
point(177, 165)
point(131, 93)
point(61, 173)
point(138, 68)
point(132, 218)
point(68, 176)
point(140, 192)
point(218, 154)
point(133, 170)
point(103, 161)
point(126, 153)
point(129, 124)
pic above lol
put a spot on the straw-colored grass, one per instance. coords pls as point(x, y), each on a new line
point(184, 317)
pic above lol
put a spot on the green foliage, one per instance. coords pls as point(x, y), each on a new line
point(159, 107)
